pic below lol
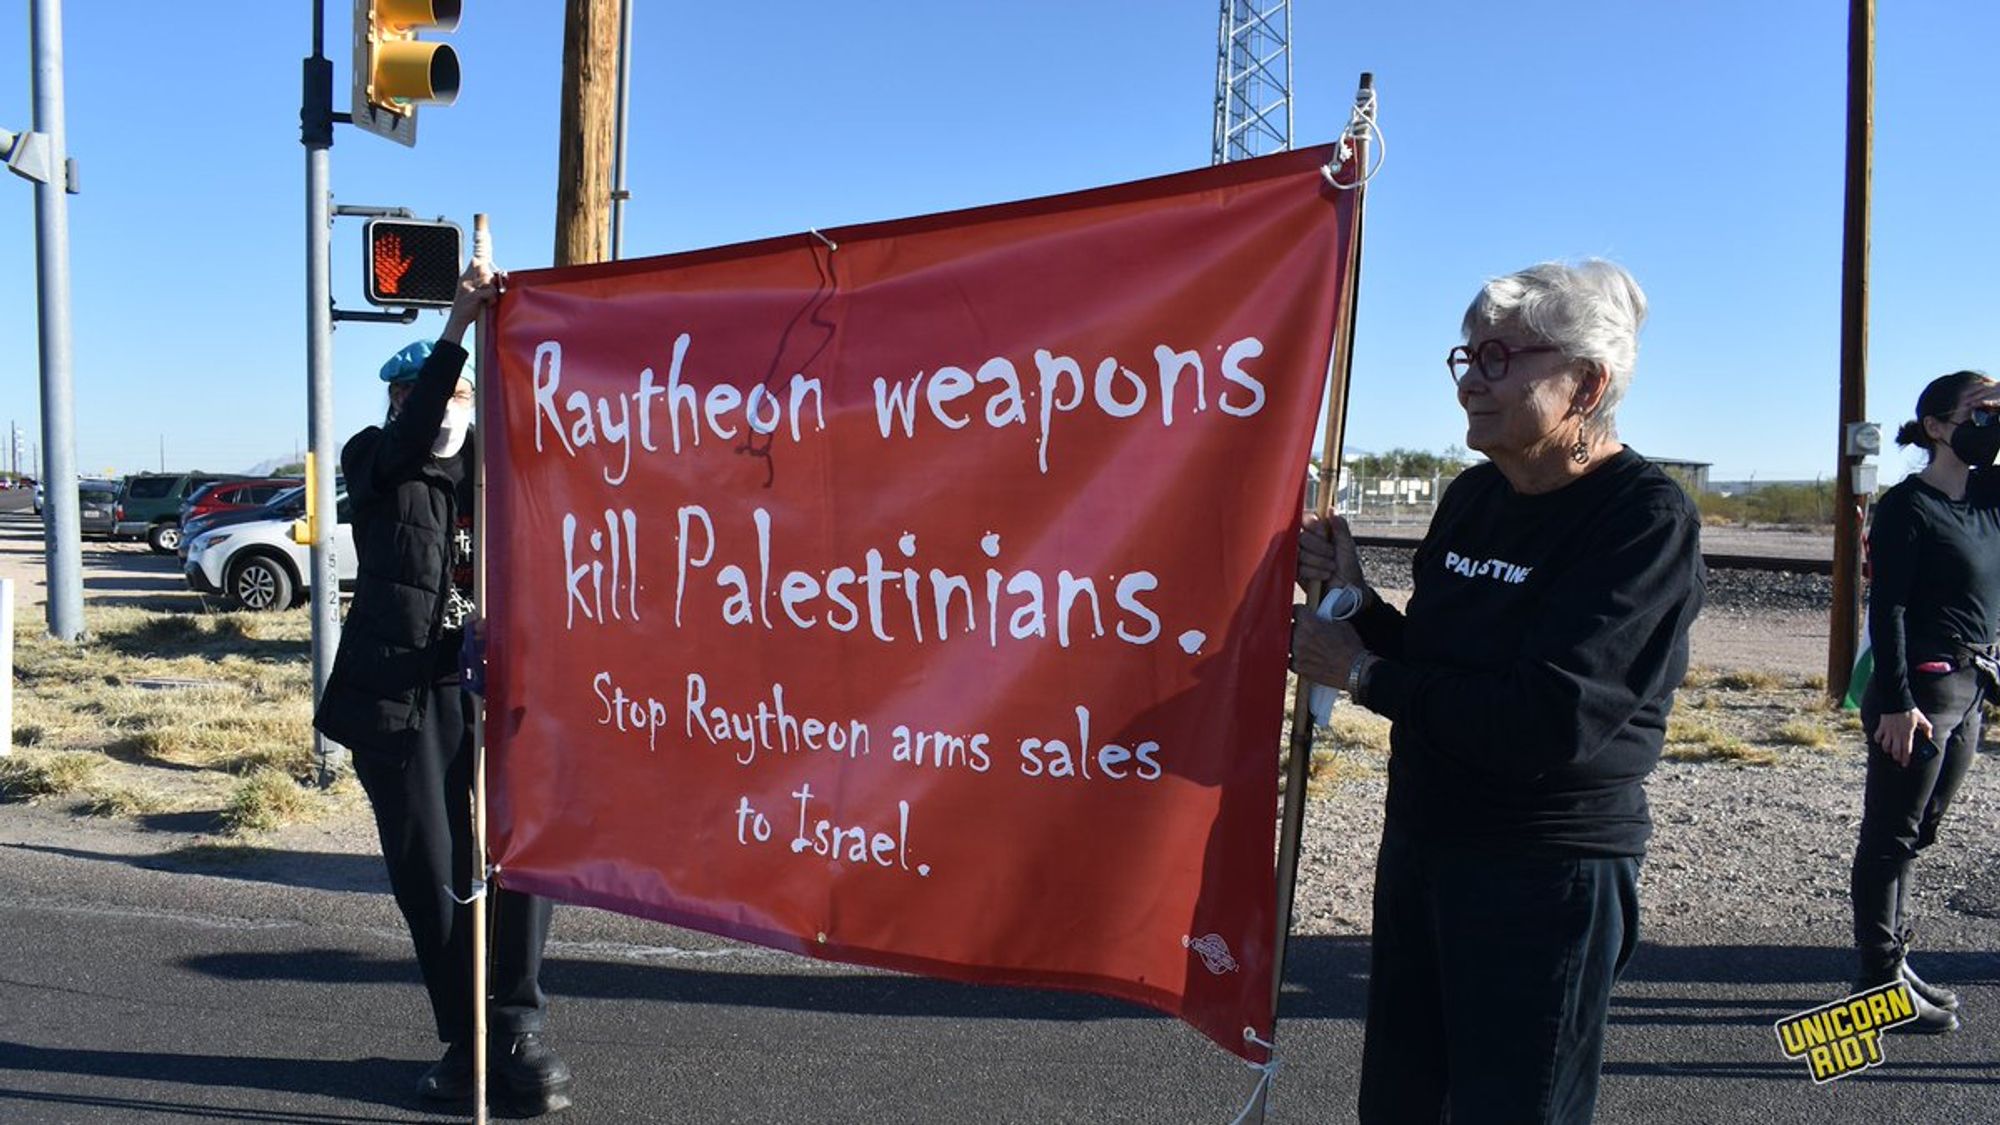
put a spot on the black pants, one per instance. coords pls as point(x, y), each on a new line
point(1902, 808)
point(423, 810)
point(1489, 983)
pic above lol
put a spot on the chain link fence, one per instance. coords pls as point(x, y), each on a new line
point(1389, 500)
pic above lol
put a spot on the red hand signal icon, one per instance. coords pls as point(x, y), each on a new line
point(390, 263)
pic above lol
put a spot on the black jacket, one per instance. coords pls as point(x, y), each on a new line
point(394, 649)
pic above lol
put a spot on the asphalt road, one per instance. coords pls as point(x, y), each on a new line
point(133, 989)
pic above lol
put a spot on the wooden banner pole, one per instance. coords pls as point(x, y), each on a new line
point(482, 250)
point(1299, 759)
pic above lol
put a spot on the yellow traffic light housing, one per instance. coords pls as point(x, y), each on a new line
point(394, 71)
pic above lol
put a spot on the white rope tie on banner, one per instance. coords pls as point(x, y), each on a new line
point(830, 244)
point(1267, 1074)
point(1360, 123)
point(478, 892)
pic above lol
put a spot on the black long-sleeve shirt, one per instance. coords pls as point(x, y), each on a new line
point(1530, 678)
point(1935, 589)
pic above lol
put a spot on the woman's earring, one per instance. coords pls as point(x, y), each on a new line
point(1580, 452)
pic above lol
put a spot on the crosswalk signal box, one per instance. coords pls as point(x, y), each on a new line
point(410, 263)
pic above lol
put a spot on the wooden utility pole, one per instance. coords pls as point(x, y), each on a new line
point(589, 120)
point(1848, 508)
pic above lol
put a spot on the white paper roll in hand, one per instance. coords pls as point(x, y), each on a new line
point(1339, 604)
point(482, 240)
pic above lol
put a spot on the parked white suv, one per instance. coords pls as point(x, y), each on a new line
point(256, 565)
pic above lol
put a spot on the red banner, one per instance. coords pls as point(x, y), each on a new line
point(917, 594)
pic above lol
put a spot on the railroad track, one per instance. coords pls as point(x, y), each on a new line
point(1716, 560)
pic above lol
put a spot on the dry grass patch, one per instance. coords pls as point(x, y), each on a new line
point(1354, 745)
point(237, 736)
point(215, 699)
point(1754, 717)
point(1698, 742)
point(1333, 768)
point(1744, 679)
point(122, 801)
point(1726, 748)
point(265, 800)
point(28, 777)
point(1356, 728)
point(1803, 732)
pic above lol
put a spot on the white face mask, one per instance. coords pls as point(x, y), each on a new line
point(451, 435)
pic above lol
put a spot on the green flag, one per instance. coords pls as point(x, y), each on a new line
point(1857, 683)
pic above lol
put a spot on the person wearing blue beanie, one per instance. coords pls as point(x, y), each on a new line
point(395, 698)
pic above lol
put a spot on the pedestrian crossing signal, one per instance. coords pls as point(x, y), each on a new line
point(410, 263)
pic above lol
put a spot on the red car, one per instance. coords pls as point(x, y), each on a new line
point(228, 495)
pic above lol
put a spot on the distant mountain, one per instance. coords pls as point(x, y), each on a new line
point(289, 465)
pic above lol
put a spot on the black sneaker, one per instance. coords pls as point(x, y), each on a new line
point(1939, 997)
point(527, 1076)
point(450, 1078)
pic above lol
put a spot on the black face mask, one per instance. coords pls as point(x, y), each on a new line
point(1976, 445)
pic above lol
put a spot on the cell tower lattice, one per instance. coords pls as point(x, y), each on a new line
point(1253, 80)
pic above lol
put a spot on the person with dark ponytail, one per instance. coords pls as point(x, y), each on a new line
point(1933, 617)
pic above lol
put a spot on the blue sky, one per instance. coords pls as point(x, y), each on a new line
point(1700, 143)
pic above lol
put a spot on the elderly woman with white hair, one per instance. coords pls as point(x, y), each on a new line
point(1528, 682)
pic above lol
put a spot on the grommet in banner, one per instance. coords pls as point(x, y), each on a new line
point(1267, 1074)
point(831, 245)
point(822, 937)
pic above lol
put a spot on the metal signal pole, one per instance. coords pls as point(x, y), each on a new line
point(61, 533)
point(620, 196)
point(316, 133)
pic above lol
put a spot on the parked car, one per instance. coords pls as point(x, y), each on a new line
point(254, 564)
point(149, 506)
point(225, 495)
point(95, 502)
point(289, 504)
point(101, 482)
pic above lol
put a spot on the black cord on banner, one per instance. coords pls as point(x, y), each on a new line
point(825, 289)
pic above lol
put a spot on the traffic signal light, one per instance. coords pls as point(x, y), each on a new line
point(394, 72)
point(410, 263)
